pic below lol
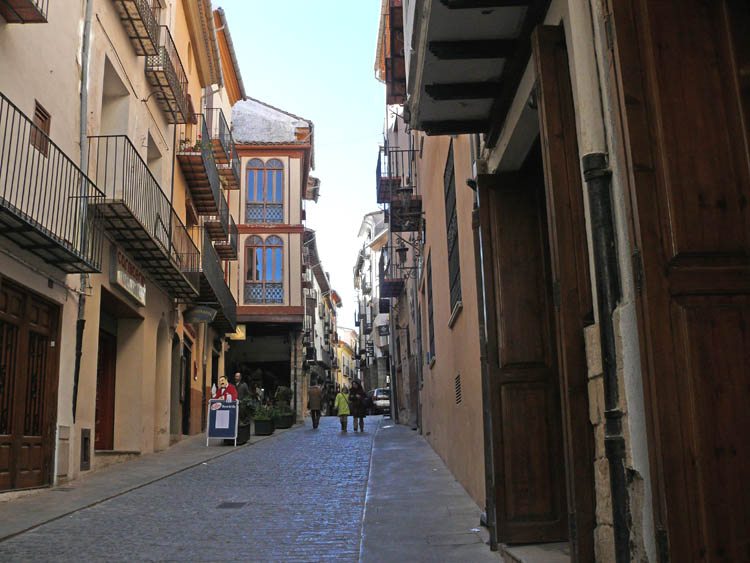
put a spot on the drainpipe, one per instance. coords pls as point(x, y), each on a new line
point(293, 342)
point(81, 322)
point(598, 179)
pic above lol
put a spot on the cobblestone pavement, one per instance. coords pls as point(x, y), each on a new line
point(298, 497)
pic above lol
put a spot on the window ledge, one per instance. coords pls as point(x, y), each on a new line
point(456, 312)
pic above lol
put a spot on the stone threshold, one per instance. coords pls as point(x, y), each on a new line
point(536, 553)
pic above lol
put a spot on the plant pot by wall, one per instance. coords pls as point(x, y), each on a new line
point(284, 421)
point(243, 434)
point(264, 427)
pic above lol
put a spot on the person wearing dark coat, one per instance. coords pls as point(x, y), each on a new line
point(357, 405)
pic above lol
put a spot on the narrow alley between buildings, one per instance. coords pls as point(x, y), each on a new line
point(299, 495)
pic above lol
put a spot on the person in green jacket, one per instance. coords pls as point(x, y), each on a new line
point(342, 407)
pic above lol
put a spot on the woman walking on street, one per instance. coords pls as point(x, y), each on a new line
point(342, 408)
point(357, 405)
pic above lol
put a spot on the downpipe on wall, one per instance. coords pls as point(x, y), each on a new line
point(598, 180)
point(83, 118)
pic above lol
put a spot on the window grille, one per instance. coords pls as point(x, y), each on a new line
point(264, 267)
point(265, 191)
point(451, 228)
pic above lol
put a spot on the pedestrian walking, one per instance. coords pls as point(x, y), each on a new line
point(314, 400)
point(342, 408)
point(357, 405)
point(242, 389)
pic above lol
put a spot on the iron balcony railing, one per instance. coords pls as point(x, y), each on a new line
point(139, 216)
point(196, 156)
point(227, 248)
point(140, 18)
point(225, 153)
point(45, 199)
point(166, 74)
point(395, 175)
point(24, 11)
point(213, 289)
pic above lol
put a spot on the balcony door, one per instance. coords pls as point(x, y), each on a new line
point(28, 387)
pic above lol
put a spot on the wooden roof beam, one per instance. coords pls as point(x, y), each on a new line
point(477, 4)
point(463, 91)
point(475, 49)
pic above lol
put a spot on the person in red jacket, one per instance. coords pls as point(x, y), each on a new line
point(226, 391)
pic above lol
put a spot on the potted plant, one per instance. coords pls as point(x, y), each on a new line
point(284, 417)
point(263, 421)
point(246, 412)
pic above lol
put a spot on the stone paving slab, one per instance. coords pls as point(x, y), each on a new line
point(415, 509)
point(22, 513)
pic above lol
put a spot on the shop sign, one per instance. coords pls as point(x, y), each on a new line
point(239, 334)
point(127, 276)
point(383, 330)
point(223, 417)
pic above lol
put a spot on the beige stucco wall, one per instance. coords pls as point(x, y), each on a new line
point(454, 431)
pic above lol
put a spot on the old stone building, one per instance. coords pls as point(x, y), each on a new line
point(582, 264)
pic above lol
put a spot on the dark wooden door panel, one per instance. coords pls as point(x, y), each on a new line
point(570, 270)
point(104, 434)
point(529, 468)
point(683, 68)
point(28, 387)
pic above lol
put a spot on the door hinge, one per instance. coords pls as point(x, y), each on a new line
point(556, 293)
point(638, 270)
point(662, 544)
point(609, 30)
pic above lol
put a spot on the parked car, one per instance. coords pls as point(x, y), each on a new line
point(380, 401)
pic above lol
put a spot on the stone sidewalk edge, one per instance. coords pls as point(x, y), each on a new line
point(144, 484)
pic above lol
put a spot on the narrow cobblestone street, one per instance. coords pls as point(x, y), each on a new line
point(299, 496)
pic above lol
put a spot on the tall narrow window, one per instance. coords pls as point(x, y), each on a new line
point(264, 267)
point(451, 228)
point(39, 137)
point(430, 310)
point(265, 191)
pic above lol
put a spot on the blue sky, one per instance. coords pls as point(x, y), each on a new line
point(315, 58)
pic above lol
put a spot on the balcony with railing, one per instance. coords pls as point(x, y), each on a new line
point(214, 291)
point(46, 201)
point(167, 77)
point(139, 217)
point(24, 11)
point(395, 173)
point(227, 248)
point(225, 154)
point(196, 157)
point(140, 18)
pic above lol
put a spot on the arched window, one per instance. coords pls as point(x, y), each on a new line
point(265, 191)
point(264, 268)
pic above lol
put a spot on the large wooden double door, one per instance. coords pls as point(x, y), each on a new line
point(683, 68)
point(538, 298)
point(28, 387)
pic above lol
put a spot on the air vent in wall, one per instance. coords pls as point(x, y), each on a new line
point(458, 389)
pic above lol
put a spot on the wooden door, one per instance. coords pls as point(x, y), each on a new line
point(684, 89)
point(570, 273)
point(28, 387)
point(524, 387)
point(104, 438)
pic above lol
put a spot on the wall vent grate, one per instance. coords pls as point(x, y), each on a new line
point(458, 389)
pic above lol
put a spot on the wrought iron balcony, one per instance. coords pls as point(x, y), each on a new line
point(167, 77)
point(140, 18)
point(213, 289)
point(139, 217)
point(395, 174)
point(227, 248)
point(225, 153)
point(24, 11)
point(45, 197)
point(196, 157)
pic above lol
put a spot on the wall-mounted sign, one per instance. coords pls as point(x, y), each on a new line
point(383, 330)
point(124, 274)
point(199, 314)
point(239, 334)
